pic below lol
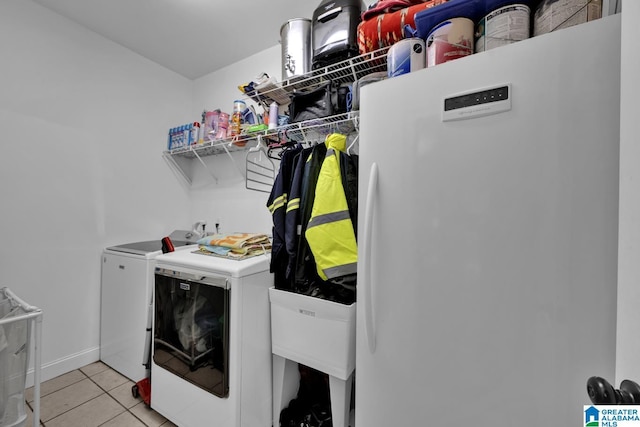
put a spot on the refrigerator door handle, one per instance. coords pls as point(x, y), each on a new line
point(369, 324)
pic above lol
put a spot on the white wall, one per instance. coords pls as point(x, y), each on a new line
point(628, 329)
point(83, 123)
point(228, 201)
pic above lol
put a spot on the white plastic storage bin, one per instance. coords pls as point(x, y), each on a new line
point(318, 333)
point(17, 321)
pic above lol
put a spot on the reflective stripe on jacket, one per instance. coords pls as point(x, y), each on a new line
point(293, 225)
point(277, 204)
point(330, 232)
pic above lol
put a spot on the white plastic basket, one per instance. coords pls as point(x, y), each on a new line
point(18, 320)
point(315, 332)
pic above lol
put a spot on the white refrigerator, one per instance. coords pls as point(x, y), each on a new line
point(488, 235)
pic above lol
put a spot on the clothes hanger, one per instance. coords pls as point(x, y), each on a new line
point(355, 139)
point(260, 169)
point(282, 147)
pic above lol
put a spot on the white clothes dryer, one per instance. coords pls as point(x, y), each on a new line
point(211, 360)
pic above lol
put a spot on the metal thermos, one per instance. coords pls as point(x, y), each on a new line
point(295, 38)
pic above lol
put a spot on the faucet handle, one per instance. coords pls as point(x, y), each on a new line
point(197, 226)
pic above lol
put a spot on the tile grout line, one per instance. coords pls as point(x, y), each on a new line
point(117, 401)
point(104, 391)
point(42, 423)
point(55, 391)
point(90, 400)
point(31, 408)
point(109, 394)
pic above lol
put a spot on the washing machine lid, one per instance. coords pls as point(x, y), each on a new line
point(138, 248)
point(193, 260)
point(178, 238)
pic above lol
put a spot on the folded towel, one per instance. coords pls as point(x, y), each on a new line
point(218, 250)
point(236, 245)
point(235, 240)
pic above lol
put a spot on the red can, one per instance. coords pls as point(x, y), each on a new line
point(449, 40)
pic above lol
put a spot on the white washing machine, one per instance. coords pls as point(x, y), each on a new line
point(126, 297)
point(211, 360)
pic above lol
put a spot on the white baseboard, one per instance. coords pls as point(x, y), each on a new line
point(66, 364)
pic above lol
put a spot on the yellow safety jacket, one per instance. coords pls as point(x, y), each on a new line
point(330, 233)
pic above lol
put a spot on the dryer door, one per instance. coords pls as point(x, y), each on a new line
point(191, 328)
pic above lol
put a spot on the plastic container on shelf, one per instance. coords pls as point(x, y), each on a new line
point(428, 19)
point(449, 29)
point(406, 56)
point(194, 135)
point(551, 15)
point(273, 115)
point(223, 125)
point(505, 22)
point(236, 117)
point(449, 40)
point(210, 125)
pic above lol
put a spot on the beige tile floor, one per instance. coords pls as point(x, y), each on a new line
point(92, 396)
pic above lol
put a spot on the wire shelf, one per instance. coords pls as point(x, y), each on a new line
point(313, 130)
point(306, 131)
point(346, 71)
point(309, 131)
point(211, 147)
